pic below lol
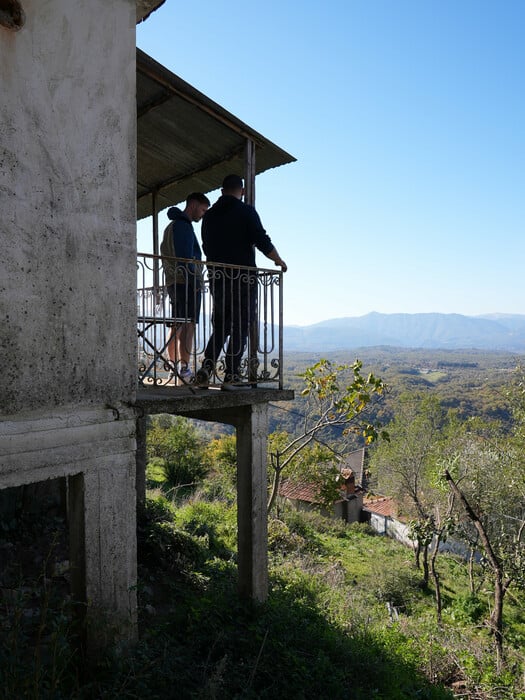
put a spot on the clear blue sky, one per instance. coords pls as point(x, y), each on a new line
point(407, 119)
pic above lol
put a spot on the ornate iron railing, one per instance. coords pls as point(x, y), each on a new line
point(224, 319)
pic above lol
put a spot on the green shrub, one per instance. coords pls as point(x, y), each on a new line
point(185, 471)
point(221, 457)
point(215, 522)
point(155, 476)
point(304, 525)
point(162, 544)
point(282, 539)
point(396, 587)
point(362, 529)
point(468, 608)
point(156, 509)
point(175, 446)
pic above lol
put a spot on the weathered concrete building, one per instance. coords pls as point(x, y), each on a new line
point(67, 298)
point(68, 338)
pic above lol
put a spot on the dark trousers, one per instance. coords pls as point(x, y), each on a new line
point(234, 309)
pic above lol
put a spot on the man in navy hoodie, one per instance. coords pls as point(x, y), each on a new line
point(183, 280)
point(231, 230)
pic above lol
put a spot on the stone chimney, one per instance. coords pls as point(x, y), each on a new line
point(348, 477)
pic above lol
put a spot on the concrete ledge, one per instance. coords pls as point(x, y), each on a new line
point(182, 401)
point(41, 445)
point(62, 417)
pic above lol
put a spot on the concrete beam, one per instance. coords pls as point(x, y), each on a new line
point(40, 445)
point(181, 401)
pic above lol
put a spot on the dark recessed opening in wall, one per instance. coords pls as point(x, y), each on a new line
point(37, 614)
point(12, 15)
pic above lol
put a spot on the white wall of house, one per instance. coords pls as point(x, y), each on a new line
point(67, 193)
point(385, 525)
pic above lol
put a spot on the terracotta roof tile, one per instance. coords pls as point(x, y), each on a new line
point(380, 506)
point(299, 491)
point(303, 491)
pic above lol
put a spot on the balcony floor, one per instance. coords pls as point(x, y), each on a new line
point(183, 400)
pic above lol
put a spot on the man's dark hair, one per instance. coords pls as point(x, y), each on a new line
point(197, 197)
point(231, 183)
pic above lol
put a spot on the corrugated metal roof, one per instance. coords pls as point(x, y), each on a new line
point(146, 7)
point(185, 141)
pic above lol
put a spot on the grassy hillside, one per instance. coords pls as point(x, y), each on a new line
point(346, 618)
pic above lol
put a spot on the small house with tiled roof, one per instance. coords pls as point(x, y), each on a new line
point(381, 513)
point(304, 495)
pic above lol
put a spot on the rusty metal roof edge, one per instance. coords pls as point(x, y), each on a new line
point(156, 71)
point(145, 8)
point(166, 185)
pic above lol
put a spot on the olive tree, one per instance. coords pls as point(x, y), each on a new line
point(404, 467)
point(337, 399)
point(488, 480)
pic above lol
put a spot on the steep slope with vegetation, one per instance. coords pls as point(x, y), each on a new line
point(349, 613)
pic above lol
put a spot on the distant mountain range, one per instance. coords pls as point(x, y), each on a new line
point(504, 332)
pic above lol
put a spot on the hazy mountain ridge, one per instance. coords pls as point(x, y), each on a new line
point(428, 330)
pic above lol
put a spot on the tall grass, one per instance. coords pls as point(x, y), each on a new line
point(346, 618)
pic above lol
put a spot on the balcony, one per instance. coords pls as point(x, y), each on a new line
point(187, 143)
point(222, 298)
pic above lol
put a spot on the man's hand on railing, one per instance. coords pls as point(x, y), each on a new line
point(274, 255)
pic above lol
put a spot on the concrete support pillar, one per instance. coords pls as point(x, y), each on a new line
point(77, 551)
point(252, 516)
point(110, 551)
point(248, 413)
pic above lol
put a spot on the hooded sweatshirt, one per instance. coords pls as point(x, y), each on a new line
point(179, 241)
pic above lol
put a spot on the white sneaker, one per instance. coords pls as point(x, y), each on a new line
point(185, 376)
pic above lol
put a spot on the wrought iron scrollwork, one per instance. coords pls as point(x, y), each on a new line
point(214, 284)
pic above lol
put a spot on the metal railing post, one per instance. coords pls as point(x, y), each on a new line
point(281, 338)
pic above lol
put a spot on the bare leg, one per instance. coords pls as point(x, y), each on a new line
point(172, 345)
point(185, 335)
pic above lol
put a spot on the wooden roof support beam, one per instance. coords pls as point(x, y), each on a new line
point(249, 177)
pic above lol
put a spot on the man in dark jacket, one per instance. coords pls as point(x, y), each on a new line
point(183, 280)
point(231, 230)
